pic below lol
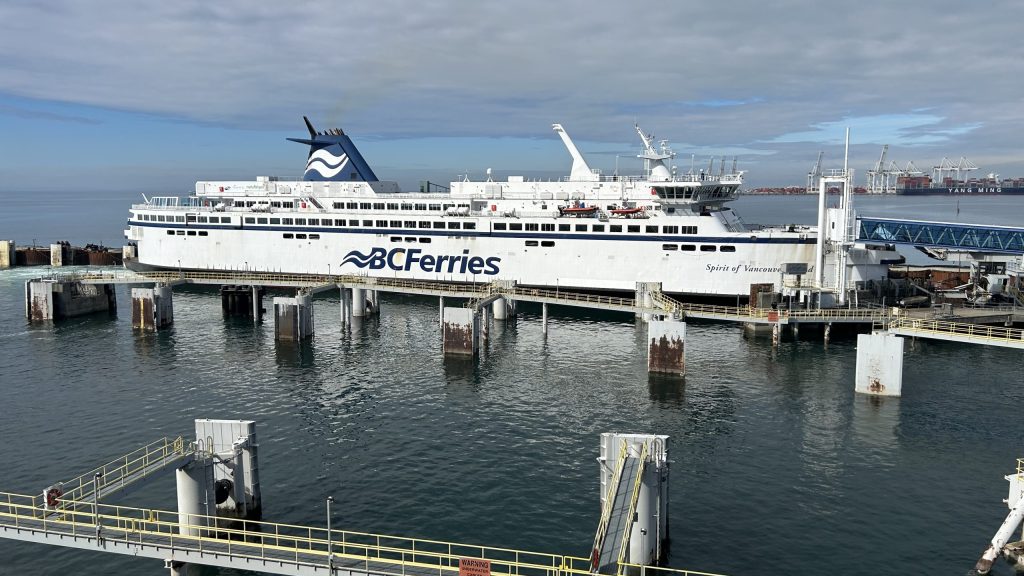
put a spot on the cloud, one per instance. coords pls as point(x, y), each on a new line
point(743, 79)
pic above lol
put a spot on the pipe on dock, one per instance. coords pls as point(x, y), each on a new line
point(1013, 519)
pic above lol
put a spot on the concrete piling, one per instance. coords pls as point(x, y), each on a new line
point(8, 254)
point(879, 364)
point(461, 332)
point(293, 318)
point(666, 350)
point(544, 318)
point(358, 302)
point(242, 301)
point(152, 308)
point(55, 300)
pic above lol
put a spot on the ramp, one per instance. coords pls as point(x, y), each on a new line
point(612, 541)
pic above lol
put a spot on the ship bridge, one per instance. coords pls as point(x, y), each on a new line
point(963, 237)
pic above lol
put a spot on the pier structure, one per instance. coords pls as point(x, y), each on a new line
point(217, 522)
point(463, 333)
point(8, 252)
point(1000, 543)
point(56, 299)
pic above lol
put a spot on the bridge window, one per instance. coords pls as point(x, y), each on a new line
point(632, 228)
point(395, 224)
point(467, 225)
point(410, 223)
point(378, 205)
point(353, 222)
point(239, 204)
point(406, 206)
point(421, 206)
point(339, 222)
point(499, 226)
point(287, 204)
point(689, 229)
point(424, 224)
point(615, 228)
point(532, 227)
point(190, 218)
point(275, 220)
point(455, 225)
point(367, 223)
point(670, 229)
point(201, 219)
point(515, 226)
point(439, 225)
point(351, 206)
point(581, 227)
point(598, 227)
point(707, 248)
point(275, 204)
point(435, 207)
point(651, 229)
point(326, 222)
point(314, 221)
point(382, 223)
point(287, 221)
point(547, 227)
point(250, 220)
point(364, 205)
point(261, 220)
point(563, 227)
point(300, 221)
point(338, 205)
point(727, 249)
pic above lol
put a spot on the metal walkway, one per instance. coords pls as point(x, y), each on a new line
point(662, 304)
point(957, 332)
point(966, 237)
point(270, 547)
point(612, 542)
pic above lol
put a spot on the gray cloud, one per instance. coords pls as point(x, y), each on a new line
point(739, 76)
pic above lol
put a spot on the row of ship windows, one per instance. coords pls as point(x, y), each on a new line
point(629, 228)
point(365, 223)
point(695, 248)
point(189, 232)
point(394, 206)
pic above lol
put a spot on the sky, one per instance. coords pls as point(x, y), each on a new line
point(152, 96)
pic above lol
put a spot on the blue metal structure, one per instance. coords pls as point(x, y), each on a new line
point(966, 237)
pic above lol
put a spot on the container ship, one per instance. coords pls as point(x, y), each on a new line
point(926, 185)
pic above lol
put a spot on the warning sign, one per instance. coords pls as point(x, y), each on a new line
point(474, 567)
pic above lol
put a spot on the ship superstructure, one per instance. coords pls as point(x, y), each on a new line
point(586, 231)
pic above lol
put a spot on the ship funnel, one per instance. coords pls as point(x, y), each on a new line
point(333, 157)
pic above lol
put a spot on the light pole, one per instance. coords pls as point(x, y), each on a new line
point(330, 547)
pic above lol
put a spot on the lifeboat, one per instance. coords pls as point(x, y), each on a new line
point(577, 210)
point(627, 211)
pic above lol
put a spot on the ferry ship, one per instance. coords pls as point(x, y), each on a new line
point(925, 185)
point(585, 231)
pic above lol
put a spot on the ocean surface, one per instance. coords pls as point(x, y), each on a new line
point(777, 466)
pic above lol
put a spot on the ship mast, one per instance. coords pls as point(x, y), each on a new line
point(654, 161)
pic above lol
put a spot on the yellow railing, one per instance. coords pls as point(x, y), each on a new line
point(979, 332)
point(606, 512)
point(379, 554)
point(122, 471)
point(641, 570)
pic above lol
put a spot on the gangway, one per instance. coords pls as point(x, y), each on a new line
point(964, 237)
point(957, 332)
point(118, 474)
point(612, 541)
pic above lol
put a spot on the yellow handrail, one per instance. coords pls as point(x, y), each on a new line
point(606, 512)
point(635, 497)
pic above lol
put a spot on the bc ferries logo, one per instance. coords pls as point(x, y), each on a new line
point(326, 164)
point(405, 259)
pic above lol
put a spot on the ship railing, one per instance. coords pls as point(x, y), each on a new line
point(283, 544)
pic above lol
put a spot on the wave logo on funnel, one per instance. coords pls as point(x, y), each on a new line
point(326, 164)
